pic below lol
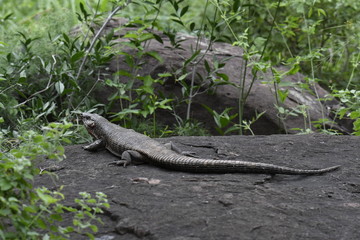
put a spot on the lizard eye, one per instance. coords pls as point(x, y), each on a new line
point(85, 116)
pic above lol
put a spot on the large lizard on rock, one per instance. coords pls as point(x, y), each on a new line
point(133, 146)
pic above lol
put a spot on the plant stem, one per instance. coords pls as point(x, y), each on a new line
point(98, 35)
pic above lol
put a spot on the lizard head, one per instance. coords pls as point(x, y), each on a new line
point(92, 123)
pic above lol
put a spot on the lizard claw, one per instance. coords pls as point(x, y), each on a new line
point(189, 154)
point(123, 163)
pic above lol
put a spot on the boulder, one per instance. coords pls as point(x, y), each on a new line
point(148, 202)
point(261, 97)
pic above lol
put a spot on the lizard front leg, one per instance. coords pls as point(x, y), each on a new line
point(96, 145)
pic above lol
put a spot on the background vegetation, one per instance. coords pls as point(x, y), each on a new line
point(50, 62)
point(42, 80)
point(41, 54)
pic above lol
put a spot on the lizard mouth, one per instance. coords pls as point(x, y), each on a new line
point(89, 123)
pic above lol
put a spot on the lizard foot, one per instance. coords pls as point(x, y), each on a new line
point(123, 163)
point(189, 154)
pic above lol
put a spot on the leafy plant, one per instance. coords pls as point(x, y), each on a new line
point(27, 212)
point(223, 120)
point(190, 128)
point(134, 99)
point(350, 108)
point(49, 72)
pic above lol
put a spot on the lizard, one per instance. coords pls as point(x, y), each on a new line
point(134, 147)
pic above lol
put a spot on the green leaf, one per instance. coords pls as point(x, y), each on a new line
point(38, 139)
point(146, 36)
point(355, 114)
point(94, 228)
point(192, 26)
point(259, 42)
point(294, 69)
point(59, 86)
point(22, 76)
point(66, 38)
point(130, 35)
point(155, 55)
point(207, 66)
point(56, 217)
point(182, 77)
point(223, 76)
point(82, 8)
point(5, 184)
point(195, 54)
point(46, 237)
point(283, 94)
point(321, 12)
point(158, 38)
point(178, 21)
point(7, 16)
point(184, 10)
point(77, 56)
point(40, 222)
point(236, 5)
point(224, 121)
point(46, 198)
point(232, 129)
point(164, 75)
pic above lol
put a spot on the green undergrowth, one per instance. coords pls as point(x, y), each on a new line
point(28, 212)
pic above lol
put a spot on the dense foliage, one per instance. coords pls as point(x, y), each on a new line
point(36, 213)
point(49, 70)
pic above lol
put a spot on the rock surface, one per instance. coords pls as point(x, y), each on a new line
point(152, 203)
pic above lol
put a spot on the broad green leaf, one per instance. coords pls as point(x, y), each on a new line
point(59, 86)
point(355, 114)
point(41, 223)
point(77, 56)
point(223, 76)
point(5, 184)
point(46, 198)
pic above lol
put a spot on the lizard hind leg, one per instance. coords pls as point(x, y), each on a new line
point(170, 145)
point(129, 157)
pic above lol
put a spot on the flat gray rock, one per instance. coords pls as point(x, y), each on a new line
point(152, 203)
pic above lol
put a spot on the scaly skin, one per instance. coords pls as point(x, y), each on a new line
point(130, 145)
